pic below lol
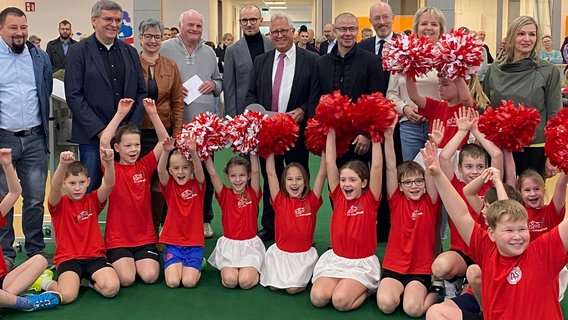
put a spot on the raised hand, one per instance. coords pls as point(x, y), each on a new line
point(430, 155)
point(66, 157)
point(168, 144)
point(390, 130)
point(150, 106)
point(107, 155)
point(464, 119)
point(124, 105)
point(437, 133)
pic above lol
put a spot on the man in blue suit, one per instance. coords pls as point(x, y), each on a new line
point(100, 71)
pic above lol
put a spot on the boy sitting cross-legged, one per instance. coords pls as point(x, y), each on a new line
point(513, 267)
point(80, 250)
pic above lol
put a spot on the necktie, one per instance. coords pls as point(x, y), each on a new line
point(380, 51)
point(277, 82)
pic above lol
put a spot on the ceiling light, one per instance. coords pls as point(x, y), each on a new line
point(272, 3)
point(278, 8)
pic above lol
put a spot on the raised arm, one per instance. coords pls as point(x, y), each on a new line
point(215, 179)
point(464, 92)
point(107, 160)
point(330, 164)
point(255, 173)
point(559, 196)
point(320, 177)
point(464, 123)
point(14, 188)
point(472, 189)
point(494, 152)
point(65, 158)
point(456, 207)
point(413, 93)
point(510, 169)
point(390, 161)
point(152, 111)
point(376, 179)
point(167, 146)
point(273, 183)
point(124, 106)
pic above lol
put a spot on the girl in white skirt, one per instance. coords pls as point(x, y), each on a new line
point(289, 263)
point(239, 253)
point(347, 274)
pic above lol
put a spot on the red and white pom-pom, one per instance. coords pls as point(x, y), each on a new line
point(209, 133)
point(409, 56)
point(556, 146)
point(458, 54)
point(373, 113)
point(243, 130)
point(332, 110)
point(316, 133)
point(278, 133)
point(509, 127)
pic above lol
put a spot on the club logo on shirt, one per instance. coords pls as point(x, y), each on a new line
point(243, 202)
point(84, 215)
point(138, 178)
point(303, 211)
point(417, 213)
point(515, 275)
point(188, 194)
point(537, 226)
point(355, 210)
point(452, 122)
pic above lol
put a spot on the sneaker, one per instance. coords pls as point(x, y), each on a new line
point(47, 274)
point(9, 263)
point(458, 286)
point(50, 263)
point(207, 230)
point(439, 291)
point(46, 300)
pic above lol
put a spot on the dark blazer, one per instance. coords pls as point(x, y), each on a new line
point(369, 45)
point(56, 55)
point(323, 48)
point(89, 92)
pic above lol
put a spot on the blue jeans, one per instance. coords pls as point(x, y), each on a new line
point(90, 156)
point(413, 136)
point(30, 159)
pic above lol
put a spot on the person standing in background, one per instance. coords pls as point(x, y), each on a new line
point(57, 48)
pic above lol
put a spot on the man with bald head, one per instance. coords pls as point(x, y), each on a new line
point(239, 59)
point(329, 33)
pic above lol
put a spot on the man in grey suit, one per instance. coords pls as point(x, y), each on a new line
point(239, 59)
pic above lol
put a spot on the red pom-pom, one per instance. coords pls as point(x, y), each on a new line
point(243, 130)
point(458, 54)
point(316, 133)
point(409, 56)
point(209, 133)
point(332, 110)
point(373, 113)
point(278, 133)
point(556, 146)
point(509, 127)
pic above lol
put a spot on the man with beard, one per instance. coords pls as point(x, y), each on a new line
point(25, 87)
point(57, 48)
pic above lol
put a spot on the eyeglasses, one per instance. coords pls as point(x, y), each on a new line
point(345, 29)
point(111, 20)
point(408, 183)
point(283, 32)
point(384, 17)
point(252, 21)
point(149, 37)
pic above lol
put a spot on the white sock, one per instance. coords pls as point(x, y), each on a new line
point(45, 283)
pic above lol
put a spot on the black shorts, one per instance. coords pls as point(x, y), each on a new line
point(467, 302)
point(147, 251)
point(466, 315)
point(425, 279)
point(468, 260)
point(84, 268)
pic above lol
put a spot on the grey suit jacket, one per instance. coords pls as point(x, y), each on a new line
point(237, 74)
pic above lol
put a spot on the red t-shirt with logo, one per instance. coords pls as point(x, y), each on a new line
point(436, 109)
point(524, 287)
point(354, 225)
point(544, 219)
point(239, 213)
point(184, 221)
point(411, 239)
point(295, 221)
point(76, 228)
point(129, 216)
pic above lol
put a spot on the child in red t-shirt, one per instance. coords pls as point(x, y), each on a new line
point(182, 232)
point(289, 263)
point(130, 237)
point(21, 277)
point(80, 250)
point(348, 273)
point(513, 267)
point(413, 200)
point(239, 253)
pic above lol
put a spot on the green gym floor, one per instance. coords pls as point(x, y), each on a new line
point(210, 300)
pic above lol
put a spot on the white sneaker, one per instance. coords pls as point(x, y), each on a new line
point(207, 230)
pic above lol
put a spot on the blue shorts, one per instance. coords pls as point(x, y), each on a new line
point(188, 256)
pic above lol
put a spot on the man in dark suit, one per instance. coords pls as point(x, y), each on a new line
point(329, 33)
point(57, 49)
point(100, 71)
point(239, 58)
point(281, 82)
